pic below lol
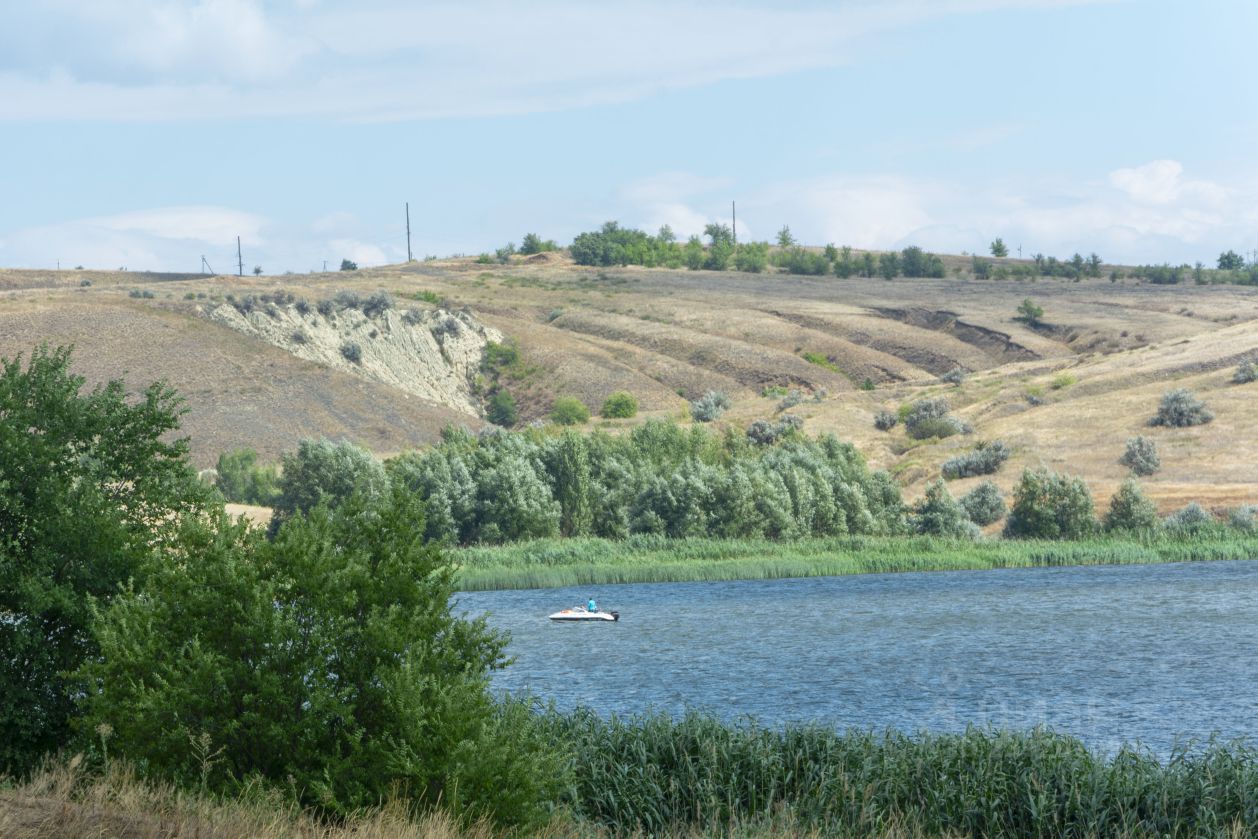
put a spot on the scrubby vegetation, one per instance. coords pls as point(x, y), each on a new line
point(886, 420)
point(659, 478)
point(1246, 372)
point(985, 459)
point(1190, 518)
point(710, 406)
point(928, 418)
point(938, 514)
point(1179, 409)
point(568, 410)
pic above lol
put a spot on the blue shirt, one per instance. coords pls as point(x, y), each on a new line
point(592, 607)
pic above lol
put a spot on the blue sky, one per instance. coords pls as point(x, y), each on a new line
point(148, 134)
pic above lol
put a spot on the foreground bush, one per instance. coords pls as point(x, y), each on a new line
point(1050, 506)
point(1179, 408)
point(986, 459)
point(326, 662)
point(90, 481)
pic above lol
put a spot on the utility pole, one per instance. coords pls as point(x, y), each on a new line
point(325, 266)
point(409, 258)
point(733, 211)
point(1019, 250)
point(205, 267)
point(240, 260)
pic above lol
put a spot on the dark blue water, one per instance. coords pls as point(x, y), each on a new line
point(1115, 654)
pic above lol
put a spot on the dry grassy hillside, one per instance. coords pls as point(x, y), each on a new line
point(1111, 349)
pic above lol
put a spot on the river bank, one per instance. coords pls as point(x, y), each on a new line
point(555, 563)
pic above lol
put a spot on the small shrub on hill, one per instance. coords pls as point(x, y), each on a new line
point(352, 352)
point(349, 265)
point(1179, 409)
point(986, 459)
point(1130, 510)
point(767, 432)
point(984, 504)
point(533, 244)
point(886, 420)
point(1141, 456)
point(1191, 518)
point(326, 308)
point(710, 406)
point(377, 304)
point(930, 418)
point(620, 405)
point(502, 410)
point(299, 337)
point(1050, 506)
point(1245, 373)
point(568, 410)
point(1062, 381)
point(955, 376)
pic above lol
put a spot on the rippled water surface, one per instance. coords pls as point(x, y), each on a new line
point(1111, 654)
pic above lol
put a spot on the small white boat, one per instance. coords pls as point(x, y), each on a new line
point(577, 613)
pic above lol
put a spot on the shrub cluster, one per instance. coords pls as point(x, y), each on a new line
point(243, 480)
point(931, 418)
point(659, 478)
point(767, 432)
point(1190, 518)
point(1179, 409)
point(955, 376)
point(1246, 372)
point(1141, 456)
point(352, 352)
point(710, 406)
point(886, 420)
point(986, 458)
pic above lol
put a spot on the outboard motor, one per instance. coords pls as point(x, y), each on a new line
point(615, 616)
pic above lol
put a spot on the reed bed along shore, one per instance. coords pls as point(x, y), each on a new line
point(555, 563)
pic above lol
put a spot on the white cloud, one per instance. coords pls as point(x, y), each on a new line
point(387, 59)
point(1147, 213)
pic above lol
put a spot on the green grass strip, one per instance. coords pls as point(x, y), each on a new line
point(554, 563)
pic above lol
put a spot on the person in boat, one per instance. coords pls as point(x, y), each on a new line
point(591, 606)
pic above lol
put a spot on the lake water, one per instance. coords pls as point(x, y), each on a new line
point(1111, 654)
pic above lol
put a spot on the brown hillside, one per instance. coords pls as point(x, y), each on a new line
point(1112, 349)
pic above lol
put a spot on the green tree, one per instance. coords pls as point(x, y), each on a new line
point(568, 463)
point(502, 410)
point(1094, 265)
point(888, 265)
point(665, 235)
point(90, 483)
point(348, 265)
point(869, 264)
point(752, 257)
point(620, 405)
point(323, 472)
point(1130, 510)
point(1050, 506)
point(693, 254)
point(327, 662)
point(999, 248)
point(532, 243)
point(1029, 312)
point(243, 481)
point(568, 410)
point(1231, 261)
point(784, 238)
